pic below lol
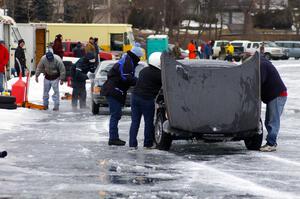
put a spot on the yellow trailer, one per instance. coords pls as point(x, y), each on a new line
point(112, 37)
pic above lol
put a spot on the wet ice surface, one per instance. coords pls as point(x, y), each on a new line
point(65, 155)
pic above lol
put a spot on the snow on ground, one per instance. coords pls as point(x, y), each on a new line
point(65, 155)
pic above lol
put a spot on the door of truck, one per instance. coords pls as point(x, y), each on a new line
point(40, 43)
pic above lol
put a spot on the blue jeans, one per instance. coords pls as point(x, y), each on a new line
point(1, 82)
point(139, 107)
point(272, 121)
point(115, 110)
point(55, 97)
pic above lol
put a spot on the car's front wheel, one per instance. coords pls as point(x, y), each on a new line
point(162, 139)
point(95, 108)
point(254, 142)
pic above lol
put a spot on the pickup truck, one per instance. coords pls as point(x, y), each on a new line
point(272, 51)
point(69, 46)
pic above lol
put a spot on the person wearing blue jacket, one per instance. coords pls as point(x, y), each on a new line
point(119, 79)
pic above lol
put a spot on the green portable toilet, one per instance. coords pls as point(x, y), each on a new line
point(157, 43)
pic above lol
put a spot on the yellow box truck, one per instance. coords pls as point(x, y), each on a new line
point(112, 37)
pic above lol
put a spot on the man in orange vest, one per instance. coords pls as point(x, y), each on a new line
point(192, 50)
point(4, 58)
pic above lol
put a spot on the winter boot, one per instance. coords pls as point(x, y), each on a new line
point(268, 148)
point(116, 142)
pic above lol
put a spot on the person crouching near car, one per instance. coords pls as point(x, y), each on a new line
point(143, 101)
point(54, 70)
point(81, 72)
point(119, 79)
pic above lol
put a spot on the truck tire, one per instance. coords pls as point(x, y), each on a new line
point(9, 106)
point(95, 108)
point(7, 99)
point(254, 142)
point(268, 56)
point(162, 139)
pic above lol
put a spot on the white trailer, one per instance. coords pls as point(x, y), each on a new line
point(34, 35)
point(9, 33)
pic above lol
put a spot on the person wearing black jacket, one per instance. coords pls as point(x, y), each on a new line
point(274, 95)
point(119, 79)
point(80, 74)
point(143, 101)
point(20, 59)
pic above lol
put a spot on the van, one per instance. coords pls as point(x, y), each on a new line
point(34, 35)
point(112, 37)
point(293, 48)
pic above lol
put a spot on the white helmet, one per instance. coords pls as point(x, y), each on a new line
point(154, 59)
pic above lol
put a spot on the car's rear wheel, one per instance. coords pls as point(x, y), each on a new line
point(162, 139)
point(268, 56)
point(95, 108)
point(254, 142)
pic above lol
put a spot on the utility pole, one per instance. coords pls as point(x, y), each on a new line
point(164, 16)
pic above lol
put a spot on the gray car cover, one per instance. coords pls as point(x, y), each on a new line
point(209, 96)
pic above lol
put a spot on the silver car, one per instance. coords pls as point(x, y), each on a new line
point(98, 79)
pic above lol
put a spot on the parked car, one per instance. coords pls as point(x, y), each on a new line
point(272, 51)
point(183, 53)
point(222, 109)
point(69, 46)
point(100, 76)
point(292, 48)
point(239, 48)
point(217, 47)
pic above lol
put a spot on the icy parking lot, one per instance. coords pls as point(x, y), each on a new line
point(65, 155)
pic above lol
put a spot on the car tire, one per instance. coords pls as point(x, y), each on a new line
point(162, 139)
point(95, 108)
point(7, 99)
point(254, 142)
point(268, 56)
point(9, 106)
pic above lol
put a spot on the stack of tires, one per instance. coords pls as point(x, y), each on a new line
point(8, 102)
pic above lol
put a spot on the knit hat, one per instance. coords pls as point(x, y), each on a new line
point(49, 56)
point(137, 50)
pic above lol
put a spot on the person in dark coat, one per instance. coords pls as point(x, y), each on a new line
point(57, 46)
point(119, 79)
point(81, 72)
point(274, 95)
point(78, 51)
point(143, 101)
point(20, 59)
point(97, 50)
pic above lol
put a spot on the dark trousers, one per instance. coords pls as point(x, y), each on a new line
point(146, 108)
point(79, 93)
point(115, 110)
point(18, 70)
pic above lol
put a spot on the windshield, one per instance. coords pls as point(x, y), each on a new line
point(130, 38)
point(271, 44)
point(104, 68)
point(237, 44)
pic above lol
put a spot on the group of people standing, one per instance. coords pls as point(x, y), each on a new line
point(202, 51)
point(52, 66)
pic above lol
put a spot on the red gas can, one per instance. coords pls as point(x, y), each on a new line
point(18, 90)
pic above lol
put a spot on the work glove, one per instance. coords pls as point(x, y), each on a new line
point(37, 79)
point(89, 74)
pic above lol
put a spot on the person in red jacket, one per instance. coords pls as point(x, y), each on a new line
point(192, 50)
point(57, 46)
point(4, 58)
